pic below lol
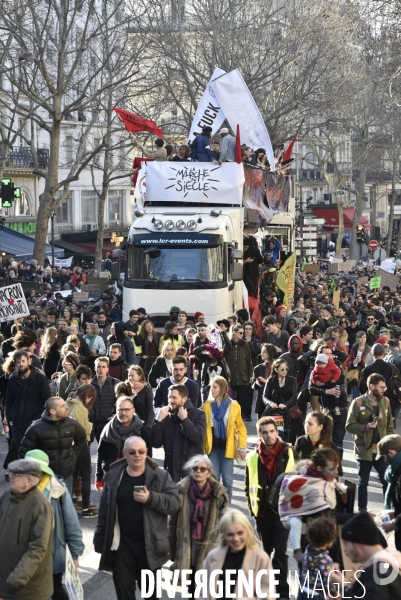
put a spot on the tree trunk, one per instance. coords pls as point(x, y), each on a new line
point(392, 203)
point(46, 199)
point(100, 228)
point(360, 198)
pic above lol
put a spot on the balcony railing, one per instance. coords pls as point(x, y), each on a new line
point(23, 158)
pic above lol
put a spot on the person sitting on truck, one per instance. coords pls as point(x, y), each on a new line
point(201, 151)
point(160, 154)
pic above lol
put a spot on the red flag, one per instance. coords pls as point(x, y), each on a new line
point(238, 153)
point(288, 152)
point(134, 123)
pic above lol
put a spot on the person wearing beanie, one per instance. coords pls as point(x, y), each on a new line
point(326, 371)
point(199, 317)
point(369, 420)
point(390, 449)
point(379, 578)
point(281, 311)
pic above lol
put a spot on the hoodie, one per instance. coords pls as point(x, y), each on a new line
point(295, 367)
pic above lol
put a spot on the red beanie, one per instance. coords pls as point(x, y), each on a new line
point(197, 315)
point(279, 309)
point(381, 340)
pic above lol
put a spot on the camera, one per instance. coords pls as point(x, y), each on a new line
point(374, 419)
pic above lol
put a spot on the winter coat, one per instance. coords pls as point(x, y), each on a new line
point(254, 347)
point(255, 559)
point(26, 524)
point(359, 415)
point(98, 345)
point(163, 501)
point(66, 384)
point(205, 360)
point(181, 440)
point(367, 584)
point(145, 399)
point(105, 399)
point(304, 448)
point(49, 364)
point(161, 393)
point(180, 525)
point(62, 441)
point(24, 405)
point(109, 451)
point(296, 369)
point(381, 368)
point(352, 356)
point(227, 151)
point(280, 395)
point(77, 411)
point(201, 149)
point(127, 349)
point(67, 529)
point(234, 427)
point(104, 331)
point(158, 371)
point(259, 371)
point(151, 350)
point(240, 363)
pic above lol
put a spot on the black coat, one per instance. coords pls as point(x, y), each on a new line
point(144, 399)
point(50, 363)
point(181, 440)
point(163, 501)
point(108, 452)
point(286, 395)
point(304, 447)
point(105, 399)
point(26, 405)
point(381, 368)
point(62, 441)
point(158, 371)
point(259, 371)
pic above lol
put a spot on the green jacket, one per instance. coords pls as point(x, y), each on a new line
point(26, 524)
point(66, 385)
point(359, 415)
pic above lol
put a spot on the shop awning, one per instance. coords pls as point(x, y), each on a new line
point(108, 247)
point(330, 214)
point(21, 245)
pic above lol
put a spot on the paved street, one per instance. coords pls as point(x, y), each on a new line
point(99, 586)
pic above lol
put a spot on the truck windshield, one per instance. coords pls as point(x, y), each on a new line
point(176, 264)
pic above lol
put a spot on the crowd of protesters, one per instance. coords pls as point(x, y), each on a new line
point(77, 375)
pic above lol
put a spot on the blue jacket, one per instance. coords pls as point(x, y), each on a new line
point(227, 151)
point(67, 529)
point(202, 151)
point(161, 394)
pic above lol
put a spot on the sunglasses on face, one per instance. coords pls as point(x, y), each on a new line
point(240, 332)
point(283, 369)
point(200, 469)
point(135, 452)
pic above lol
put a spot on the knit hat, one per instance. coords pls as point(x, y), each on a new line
point(322, 358)
point(361, 529)
point(197, 315)
point(279, 309)
point(42, 459)
point(328, 308)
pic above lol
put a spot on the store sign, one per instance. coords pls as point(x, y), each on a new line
point(27, 227)
point(116, 239)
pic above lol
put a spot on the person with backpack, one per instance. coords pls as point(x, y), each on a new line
point(369, 420)
point(390, 373)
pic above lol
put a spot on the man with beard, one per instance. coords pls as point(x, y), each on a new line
point(369, 420)
point(291, 357)
point(27, 392)
point(180, 428)
point(117, 367)
point(178, 378)
point(122, 426)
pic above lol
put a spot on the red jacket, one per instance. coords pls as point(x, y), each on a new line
point(331, 372)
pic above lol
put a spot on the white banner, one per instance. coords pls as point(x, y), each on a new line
point(62, 262)
point(72, 582)
point(208, 111)
point(240, 109)
point(194, 182)
point(13, 304)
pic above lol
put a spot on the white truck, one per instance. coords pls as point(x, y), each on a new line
point(187, 254)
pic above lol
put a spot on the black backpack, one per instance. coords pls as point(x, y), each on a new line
point(393, 391)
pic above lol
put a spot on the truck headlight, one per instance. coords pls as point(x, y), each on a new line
point(180, 225)
point(158, 224)
point(169, 224)
point(191, 225)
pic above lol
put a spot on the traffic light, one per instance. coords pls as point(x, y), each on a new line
point(360, 234)
point(9, 193)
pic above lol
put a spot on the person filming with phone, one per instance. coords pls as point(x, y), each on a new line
point(131, 533)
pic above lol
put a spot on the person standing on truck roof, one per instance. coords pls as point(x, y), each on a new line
point(160, 154)
point(227, 153)
point(201, 146)
point(273, 249)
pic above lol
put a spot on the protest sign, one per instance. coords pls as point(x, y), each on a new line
point(13, 304)
point(374, 283)
point(71, 580)
point(336, 298)
point(363, 280)
point(91, 290)
point(313, 269)
point(102, 282)
point(81, 296)
point(63, 262)
point(392, 281)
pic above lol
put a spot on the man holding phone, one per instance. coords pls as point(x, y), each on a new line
point(131, 532)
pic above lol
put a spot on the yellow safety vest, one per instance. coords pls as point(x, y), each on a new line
point(252, 461)
point(138, 349)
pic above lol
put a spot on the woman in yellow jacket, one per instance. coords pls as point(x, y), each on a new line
point(223, 425)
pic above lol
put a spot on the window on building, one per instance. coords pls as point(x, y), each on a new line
point(63, 211)
point(115, 205)
point(22, 206)
point(89, 204)
point(68, 150)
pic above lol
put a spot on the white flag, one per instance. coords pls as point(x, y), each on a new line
point(208, 112)
point(240, 109)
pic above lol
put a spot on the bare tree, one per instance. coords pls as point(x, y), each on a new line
point(65, 81)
